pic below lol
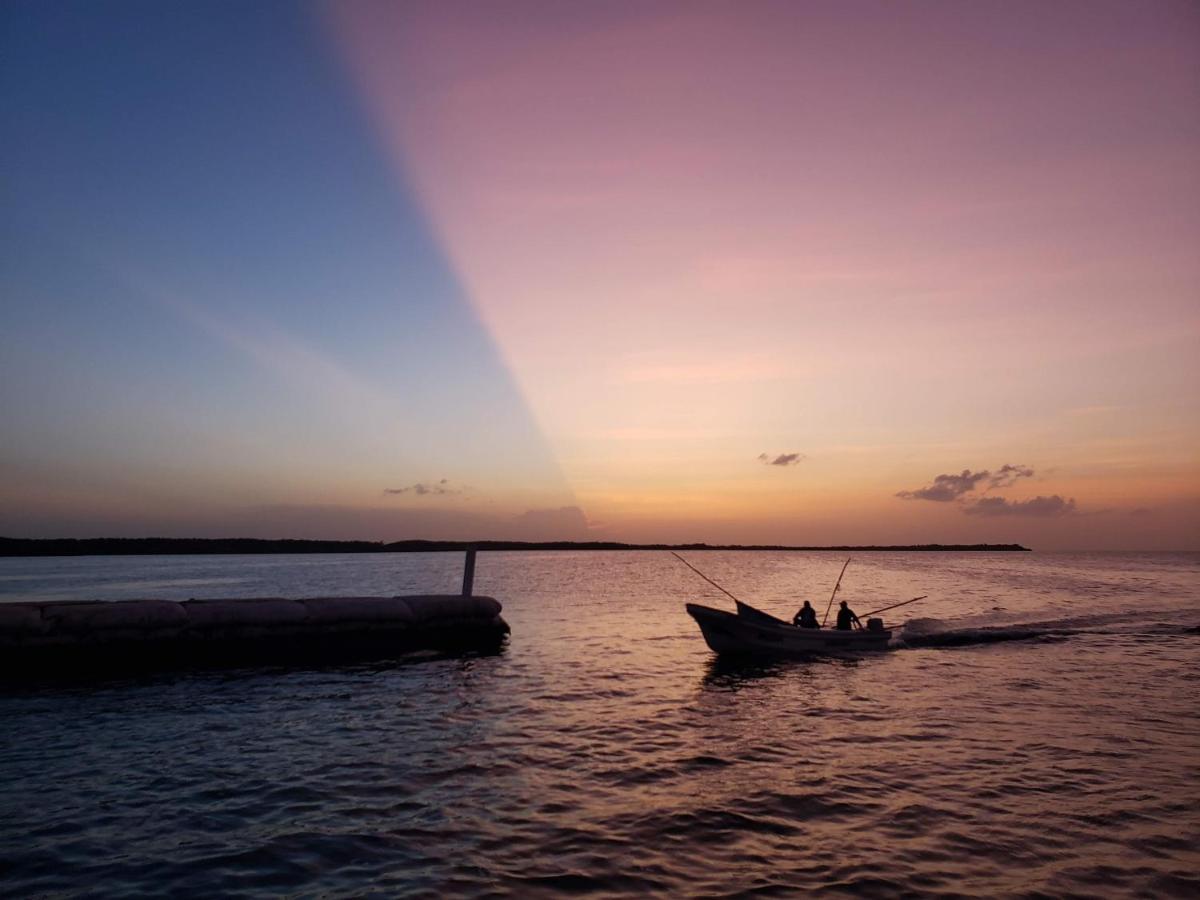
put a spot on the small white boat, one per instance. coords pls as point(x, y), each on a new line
point(752, 632)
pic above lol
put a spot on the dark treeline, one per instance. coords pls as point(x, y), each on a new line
point(171, 546)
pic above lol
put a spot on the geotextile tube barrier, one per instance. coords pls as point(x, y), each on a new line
point(79, 637)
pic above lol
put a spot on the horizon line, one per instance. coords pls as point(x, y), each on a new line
point(99, 546)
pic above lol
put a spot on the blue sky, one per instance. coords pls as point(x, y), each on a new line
point(213, 276)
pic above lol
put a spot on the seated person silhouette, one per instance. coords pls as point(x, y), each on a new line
point(846, 618)
point(807, 617)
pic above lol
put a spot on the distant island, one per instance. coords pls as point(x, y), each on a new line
point(180, 546)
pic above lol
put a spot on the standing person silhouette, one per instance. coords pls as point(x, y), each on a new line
point(846, 618)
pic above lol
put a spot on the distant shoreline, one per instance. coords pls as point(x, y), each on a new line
point(240, 546)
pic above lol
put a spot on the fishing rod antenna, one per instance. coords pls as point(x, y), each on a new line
point(834, 594)
point(705, 577)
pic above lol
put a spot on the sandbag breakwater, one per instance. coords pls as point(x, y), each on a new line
point(95, 635)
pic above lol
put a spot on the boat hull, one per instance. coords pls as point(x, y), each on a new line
point(763, 635)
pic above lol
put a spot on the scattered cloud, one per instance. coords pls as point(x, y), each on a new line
point(1007, 476)
point(948, 487)
point(422, 489)
point(956, 488)
point(783, 459)
point(1042, 507)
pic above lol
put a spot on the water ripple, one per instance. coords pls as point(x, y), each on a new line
point(605, 752)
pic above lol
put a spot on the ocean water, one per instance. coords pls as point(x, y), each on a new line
point(1034, 732)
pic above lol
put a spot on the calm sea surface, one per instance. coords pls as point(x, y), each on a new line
point(606, 752)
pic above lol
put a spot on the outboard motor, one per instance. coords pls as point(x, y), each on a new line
point(874, 624)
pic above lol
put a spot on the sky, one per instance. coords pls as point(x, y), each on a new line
point(796, 272)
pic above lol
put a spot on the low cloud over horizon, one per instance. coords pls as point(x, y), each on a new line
point(423, 489)
point(783, 459)
point(1007, 476)
point(1044, 507)
point(948, 488)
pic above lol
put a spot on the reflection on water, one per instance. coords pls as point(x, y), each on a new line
point(605, 750)
point(348, 662)
point(734, 673)
point(725, 674)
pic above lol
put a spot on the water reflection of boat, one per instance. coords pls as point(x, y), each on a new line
point(732, 672)
point(751, 632)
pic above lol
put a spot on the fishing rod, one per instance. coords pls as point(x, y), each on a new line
point(705, 577)
point(834, 594)
point(895, 605)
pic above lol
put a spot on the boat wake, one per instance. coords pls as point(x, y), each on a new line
point(962, 637)
point(918, 633)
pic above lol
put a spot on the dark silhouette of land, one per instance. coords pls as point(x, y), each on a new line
point(180, 546)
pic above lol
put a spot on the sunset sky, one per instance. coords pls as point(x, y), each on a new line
point(794, 272)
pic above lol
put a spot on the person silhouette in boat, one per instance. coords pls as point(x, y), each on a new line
point(807, 617)
point(846, 618)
